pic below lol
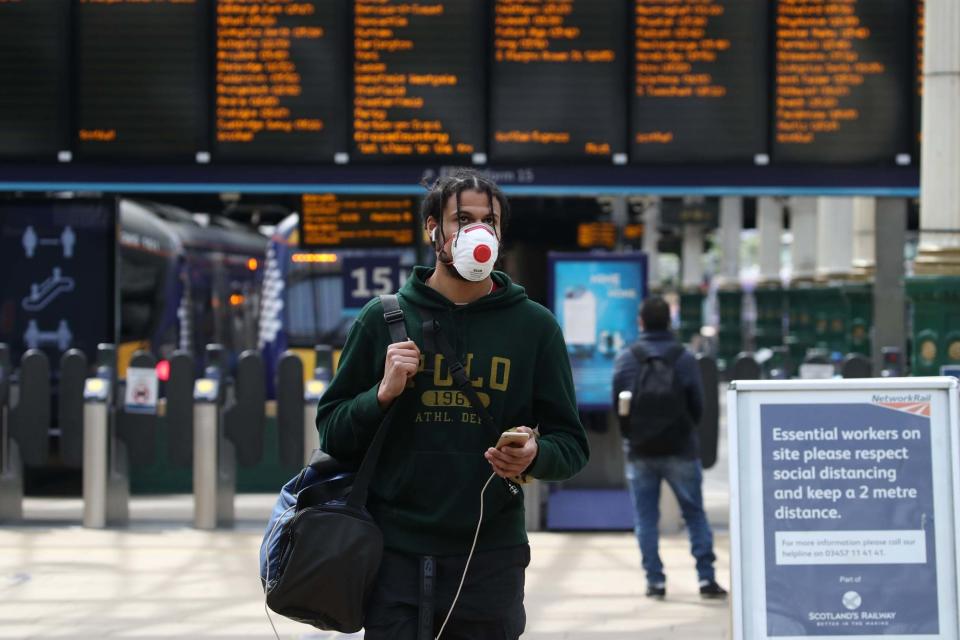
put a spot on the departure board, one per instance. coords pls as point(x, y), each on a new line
point(142, 79)
point(918, 93)
point(418, 79)
point(558, 80)
point(699, 80)
point(334, 221)
point(280, 80)
point(34, 35)
point(842, 70)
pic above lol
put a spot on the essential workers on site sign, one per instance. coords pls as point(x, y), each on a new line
point(844, 512)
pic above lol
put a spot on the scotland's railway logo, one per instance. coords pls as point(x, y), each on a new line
point(852, 600)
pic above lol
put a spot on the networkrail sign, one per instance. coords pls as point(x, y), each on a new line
point(843, 517)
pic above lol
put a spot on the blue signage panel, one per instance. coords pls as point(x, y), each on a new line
point(595, 298)
point(848, 518)
point(58, 288)
point(370, 275)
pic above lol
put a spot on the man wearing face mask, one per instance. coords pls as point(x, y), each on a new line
point(439, 453)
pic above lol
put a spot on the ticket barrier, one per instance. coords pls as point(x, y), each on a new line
point(746, 367)
point(119, 429)
point(24, 425)
point(709, 428)
point(856, 365)
point(779, 366)
point(229, 419)
point(297, 405)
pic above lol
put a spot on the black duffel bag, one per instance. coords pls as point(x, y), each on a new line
point(321, 550)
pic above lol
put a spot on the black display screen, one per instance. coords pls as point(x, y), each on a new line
point(331, 221)
point(699, 81)
point(418, 79)
point(558, 80)
point(843, 71)
point(142, 79)
point(34, 37)
point(280, 80)
point(63, 255)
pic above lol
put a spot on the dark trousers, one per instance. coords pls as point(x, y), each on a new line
point(490, 606)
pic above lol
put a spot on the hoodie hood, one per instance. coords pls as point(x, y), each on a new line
point(417, 291)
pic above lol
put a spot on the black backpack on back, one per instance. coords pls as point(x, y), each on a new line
point(659, 423)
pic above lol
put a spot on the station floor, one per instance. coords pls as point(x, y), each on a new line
point(159, 578)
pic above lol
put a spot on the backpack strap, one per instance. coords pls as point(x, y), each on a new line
point(460, 379)
point(671, 355)
point(639, 352)
point(393, 315)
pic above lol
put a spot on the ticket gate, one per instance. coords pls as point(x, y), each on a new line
point(746, 367)
point(297, 405)
point(118, 429)
point(229, 418)
point(24, 425)
point(709, 428)
point(856, 365)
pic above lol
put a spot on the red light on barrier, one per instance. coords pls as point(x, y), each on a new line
point(163, 370)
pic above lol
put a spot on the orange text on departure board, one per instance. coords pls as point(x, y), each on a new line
point(921, 33)
point(384, 99)
point(329, 220)
point(818, 65)
point(539, 31)
point(255, 71)
point(675, 53)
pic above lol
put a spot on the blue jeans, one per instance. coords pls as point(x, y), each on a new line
point(685, 478)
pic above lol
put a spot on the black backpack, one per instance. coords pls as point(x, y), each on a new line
point(659, 422)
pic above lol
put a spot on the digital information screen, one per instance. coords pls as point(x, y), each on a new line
point(418, 79)
point(63, 255)
point(280, 80)
point(335, 221)
point(699, 81)
point(918, 95)
point(558, 80)
point(34, 36)
point(142, 83)
point(843, 69)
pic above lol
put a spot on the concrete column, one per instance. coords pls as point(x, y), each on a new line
point(651, 236)
point(770, 226)
point(864, 235)
point(731, 224)
point(692, 256)
point(940, 161)
point(834, 237)
point(803, 225)
point(889, 303)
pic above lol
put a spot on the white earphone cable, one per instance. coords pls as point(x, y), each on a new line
point(463, 577)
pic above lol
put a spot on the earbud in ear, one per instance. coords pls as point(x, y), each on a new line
point(433, 234)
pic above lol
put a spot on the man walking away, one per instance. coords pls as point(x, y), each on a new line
point(660, 442)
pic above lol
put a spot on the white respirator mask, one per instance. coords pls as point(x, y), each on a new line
point(475, 251)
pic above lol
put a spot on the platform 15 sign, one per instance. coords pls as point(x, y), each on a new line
point(368, 276)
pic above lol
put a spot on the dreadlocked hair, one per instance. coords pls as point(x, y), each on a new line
point(457, 182)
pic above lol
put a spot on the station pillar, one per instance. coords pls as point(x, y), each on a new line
point(803, 225)
point(769, 294)
point(729, 293)
point(934, 288)
point(858, 289)
point(691, 295)
point(889, 296)
point(651, 238)
point(834, 260)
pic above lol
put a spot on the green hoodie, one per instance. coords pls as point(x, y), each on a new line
point(425, 494)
